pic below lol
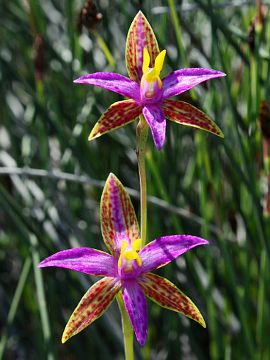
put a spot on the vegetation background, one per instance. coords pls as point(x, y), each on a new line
point(52, 177)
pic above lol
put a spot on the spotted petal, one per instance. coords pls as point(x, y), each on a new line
point(163, 250)
point(117, 115)
point(140, 36)
point(113, 82)
point(167, 295)
point(85, 260)
point(136, 307)
point(92, 305)
point(155, 118)
point(186, 114)
point(117, 216)
point(184, 79)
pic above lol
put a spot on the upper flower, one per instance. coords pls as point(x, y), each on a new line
point(146, 91)
point(128, 267)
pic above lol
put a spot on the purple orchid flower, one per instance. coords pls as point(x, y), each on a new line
point(127, 269)
point(147, 93)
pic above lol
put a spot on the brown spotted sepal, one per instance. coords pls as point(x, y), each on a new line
point(140, 36)
point(92, 305)
point(186, 114)
point(166, 294)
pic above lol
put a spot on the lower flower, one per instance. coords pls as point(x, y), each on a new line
point(127, 269)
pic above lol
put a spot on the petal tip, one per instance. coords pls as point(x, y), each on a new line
point(42, 264)
point(204, 242)
point(94, 135)
point(159, 143)
point(159, 147)
point(221, 135)
point(215, 130)
point(200, 241)
point(200, 320)
point(91, 137)
point(219, 73)
point(139, 13)
point(111, 175)
point(64, 338)
point(195, 241)
point(111, 179)
point(142, 341)
point(203, 323)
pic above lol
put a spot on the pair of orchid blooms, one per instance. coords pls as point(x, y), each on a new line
point(128, 268)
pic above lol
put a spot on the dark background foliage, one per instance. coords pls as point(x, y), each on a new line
point(52, 177)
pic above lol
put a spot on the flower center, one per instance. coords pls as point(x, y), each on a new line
point(151, 83)
point(128, 254)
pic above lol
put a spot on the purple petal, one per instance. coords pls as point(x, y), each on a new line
point(136, 307)
point(184, 79)
point(163, 250)
point(85, 260)
point(113, 82)
point(155, 118)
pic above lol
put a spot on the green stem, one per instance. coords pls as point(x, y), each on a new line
point(179, 38)
point(41, 299)
point(142, 132)
point(178, 32)
point(261, 303)
point(14, 304)
point(105, 49)
point(127, 329)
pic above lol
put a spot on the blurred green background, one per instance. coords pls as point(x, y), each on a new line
point(51, 177)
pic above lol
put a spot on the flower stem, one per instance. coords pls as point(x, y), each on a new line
point(106, 51)
point(142, 132)
point(127, 329)
point(178, 32)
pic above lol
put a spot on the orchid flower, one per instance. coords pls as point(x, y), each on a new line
point(148, 94)
point(127, 269)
